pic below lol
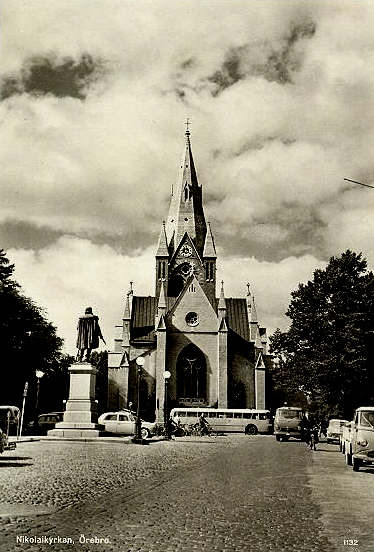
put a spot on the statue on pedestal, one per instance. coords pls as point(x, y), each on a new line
point(89, 333)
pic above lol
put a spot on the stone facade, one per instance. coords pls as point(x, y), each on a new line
point(214, 348)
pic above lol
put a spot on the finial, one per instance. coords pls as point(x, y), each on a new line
point(163, 224)
point(187, 123)
point(248, 287)
point(131, 283)
point(222, 282)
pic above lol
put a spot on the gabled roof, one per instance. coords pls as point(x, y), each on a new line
point(145, 308)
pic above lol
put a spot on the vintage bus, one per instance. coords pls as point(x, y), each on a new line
point(249, 420)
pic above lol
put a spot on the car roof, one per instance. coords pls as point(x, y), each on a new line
point(117, 412)
point(365, 408)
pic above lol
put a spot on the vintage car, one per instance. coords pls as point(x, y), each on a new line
point(123, 423)
point(9, 420)
point(359, 450)
point(334, 430)
point(345, 436)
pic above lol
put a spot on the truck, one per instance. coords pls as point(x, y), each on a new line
point(359, 446)
point(288, 423)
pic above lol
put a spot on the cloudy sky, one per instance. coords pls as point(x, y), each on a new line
point(93, 99)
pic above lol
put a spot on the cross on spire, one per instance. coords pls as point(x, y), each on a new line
point(248, 287)
point(187, 123)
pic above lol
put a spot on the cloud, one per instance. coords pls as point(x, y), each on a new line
point(93, 104)
point(48, 75)
point(73, 273)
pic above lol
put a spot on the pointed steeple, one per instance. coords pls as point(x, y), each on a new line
point(162, 246)
point(209, 247)
point(222, 304)
point(126, 320)
point(186, 212)
point(162, 300)
point(254, 319)
point(126, 312)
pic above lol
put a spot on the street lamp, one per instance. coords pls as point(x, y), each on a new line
point(140, 361)
point(167, 375)
point(39, 374)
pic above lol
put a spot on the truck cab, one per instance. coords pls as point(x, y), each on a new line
point(288, 423)
point(360, 447)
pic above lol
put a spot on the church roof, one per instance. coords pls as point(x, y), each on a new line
point(237, 317)
point(144, 311)
point(143, 318)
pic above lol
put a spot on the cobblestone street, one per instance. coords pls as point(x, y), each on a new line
point(229, 493)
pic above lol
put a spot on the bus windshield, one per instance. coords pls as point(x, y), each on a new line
point(290, 413)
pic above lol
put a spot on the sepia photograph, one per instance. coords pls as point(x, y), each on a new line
point(186, 275)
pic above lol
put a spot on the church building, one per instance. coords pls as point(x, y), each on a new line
point(199, 349)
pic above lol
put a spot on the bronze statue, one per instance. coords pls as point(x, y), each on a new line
point(89, 333)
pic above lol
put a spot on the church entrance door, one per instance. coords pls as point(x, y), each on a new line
point(191, 376)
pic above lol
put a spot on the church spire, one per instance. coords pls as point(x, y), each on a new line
point(186, 212)
point(162, 247)
point(209, 247)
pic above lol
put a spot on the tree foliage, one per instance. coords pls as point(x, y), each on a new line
point(28, 341)
point(327, 353)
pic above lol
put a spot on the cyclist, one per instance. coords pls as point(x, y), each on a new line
point(204, 425)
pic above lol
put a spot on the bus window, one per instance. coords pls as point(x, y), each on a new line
point(247, 415)
point(212, 415)
point(221, 415)
point(192, 414)
point(237, 414)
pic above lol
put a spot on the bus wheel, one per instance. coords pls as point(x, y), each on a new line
point(277, 437)
point(251, 430)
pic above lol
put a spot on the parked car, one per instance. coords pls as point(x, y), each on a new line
point(123, 423)
point(345, 437)
point(5, 444)
point(45, 422)
point(360, 449)
point(334, 430)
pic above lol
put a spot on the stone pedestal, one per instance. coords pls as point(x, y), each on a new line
point(80, 417)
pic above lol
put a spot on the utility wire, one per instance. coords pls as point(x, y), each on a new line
point(361, 183)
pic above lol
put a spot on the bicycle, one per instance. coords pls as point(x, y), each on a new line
point(312, 439)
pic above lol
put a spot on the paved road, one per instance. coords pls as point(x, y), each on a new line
point(204, 494)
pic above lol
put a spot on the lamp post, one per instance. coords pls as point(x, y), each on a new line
point(39, 374)
point(167, 375)
point(138, 428)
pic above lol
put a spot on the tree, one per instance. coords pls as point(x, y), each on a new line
point(327, 353)
point(28, 341)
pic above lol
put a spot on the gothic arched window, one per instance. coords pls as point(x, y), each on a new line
point(191, 373)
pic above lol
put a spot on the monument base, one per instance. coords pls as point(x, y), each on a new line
point(80, 417)
point(86, 433)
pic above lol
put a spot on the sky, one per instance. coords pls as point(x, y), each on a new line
point(93, 100)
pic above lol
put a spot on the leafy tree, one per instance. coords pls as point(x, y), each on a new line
point(28, 341)
point(327, 353)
